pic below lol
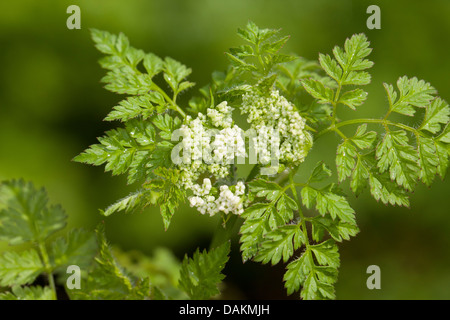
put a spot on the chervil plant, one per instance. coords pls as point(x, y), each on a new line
point(27, 219)
point(289, 103)
point(177, 153)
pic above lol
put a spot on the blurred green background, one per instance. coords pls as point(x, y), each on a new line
point(52, 105)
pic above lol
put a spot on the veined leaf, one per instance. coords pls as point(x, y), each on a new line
point(153, 64)
point(352, 61)
point(19, 268)
point(165, 192)
point(314, 289)
point(395, 155)
point(127, 81)
point(25, 215)
point(320, 172)
point(129, 203)
point(363, 139)
point(382, 188)
point(28, 293)
point(137, 106)
point(316, 280)
point(360, 175)
point(120, 147)
point(280, 244)
point(355, 50)
point(77, 248)
point(260, 219)
point(264, 47)
point(252, 232)
point(166, 124)
point(338, 230)
point(297, 272)
point(345, 159)
point(335, 205)
point(437, 113)
point(174, 73)
point(107, 280)
point(412, 93)
point(240, 64)
point(357, 78)
point(200, 275)
point(428, 159)
point(353, 98)
point(331, 67)
point(318, 90)
point(265, 189)
point(328, 202)
point(326, 253)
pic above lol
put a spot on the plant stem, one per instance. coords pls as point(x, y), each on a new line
point(334, 104)
point(258, 54)
point(357, 121)
point(48, 268)
point(173, 105)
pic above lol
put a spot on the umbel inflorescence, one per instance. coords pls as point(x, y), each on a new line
point(274, 113)
point(189, 153)
point(211, 143)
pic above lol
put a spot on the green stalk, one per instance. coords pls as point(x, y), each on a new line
point(378, 121)
point(48, 268)
point(173, 105)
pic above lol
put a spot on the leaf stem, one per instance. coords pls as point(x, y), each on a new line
point(48, 268)
point(173, 105)
point(258, 54)
point(334, 104)
point(383, 122)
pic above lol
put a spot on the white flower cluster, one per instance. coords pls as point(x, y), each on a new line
point(276, 112)
point(227, 201)
point(210, 144)
point(228, 144)
point(221, 115)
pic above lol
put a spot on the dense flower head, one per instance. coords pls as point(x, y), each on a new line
point(221, 115)
point(210, 143)
point(226, 201)
point(276, 112)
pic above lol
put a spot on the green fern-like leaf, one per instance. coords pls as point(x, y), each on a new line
point(25, 215)
point(19, 268)
point(200, 275)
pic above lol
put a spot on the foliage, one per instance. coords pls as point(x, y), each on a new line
point(283, 219)
point(276, 220)
point(25, 217)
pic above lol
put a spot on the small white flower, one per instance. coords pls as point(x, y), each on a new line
point(277, 113)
